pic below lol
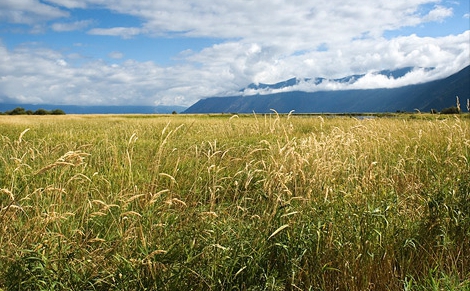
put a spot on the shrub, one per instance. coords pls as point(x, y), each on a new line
point(22, 111)
point(57, 112)
point(450, 110)
point(17, 111)
point(41, 112)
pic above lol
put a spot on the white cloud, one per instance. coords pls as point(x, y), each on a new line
point(297, 25)
point(233, 65)
point(116, 55)
point(125, 32)
point(71, 26)
point(275, 21)
point(260, 41)
point(438, 14)
point(69, 3)
point(61, 63)
point(52, 80)
point(28, 11)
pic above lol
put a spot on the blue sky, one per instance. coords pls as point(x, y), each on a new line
point(143, 52)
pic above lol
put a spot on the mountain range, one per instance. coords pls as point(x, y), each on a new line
point(287, 96)
point(398, 73)
point(262, 98)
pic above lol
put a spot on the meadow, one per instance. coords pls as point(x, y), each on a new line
point(249, 202)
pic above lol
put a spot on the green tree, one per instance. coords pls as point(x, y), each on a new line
point(57, 112)
point(41, 111)
point(17, 111)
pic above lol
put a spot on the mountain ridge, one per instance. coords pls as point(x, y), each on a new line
point(395, 74)
point(436, 94)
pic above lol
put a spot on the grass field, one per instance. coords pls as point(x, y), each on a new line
point(262, 202)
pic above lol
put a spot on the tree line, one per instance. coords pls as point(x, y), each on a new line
point(22, 111)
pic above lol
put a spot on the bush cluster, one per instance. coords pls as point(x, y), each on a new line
point(22, 111)
point(450, 110)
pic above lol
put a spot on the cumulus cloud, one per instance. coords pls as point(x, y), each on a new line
point(439, 13)
point(53, 80)
point(296, 24)
point(259, 41)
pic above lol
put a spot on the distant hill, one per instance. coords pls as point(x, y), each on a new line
point(432, 95)
point(77, 109)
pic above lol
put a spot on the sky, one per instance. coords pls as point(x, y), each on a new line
point(162, 52)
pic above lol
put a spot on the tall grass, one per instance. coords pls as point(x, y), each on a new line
point(234, 203)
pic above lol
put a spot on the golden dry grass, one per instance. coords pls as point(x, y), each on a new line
point(234, 203)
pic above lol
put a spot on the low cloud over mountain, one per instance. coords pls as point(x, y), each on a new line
point(348, 94)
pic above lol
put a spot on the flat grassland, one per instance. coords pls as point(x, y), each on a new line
point(267, 202)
